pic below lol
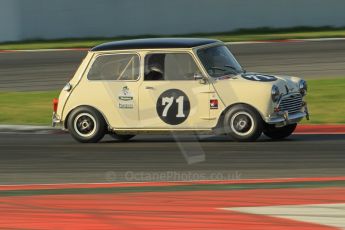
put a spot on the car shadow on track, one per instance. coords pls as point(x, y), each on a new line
point(220, 139)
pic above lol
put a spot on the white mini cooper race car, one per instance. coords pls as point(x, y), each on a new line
point(164, 85)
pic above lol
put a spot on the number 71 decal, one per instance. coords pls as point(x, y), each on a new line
point(168, 101)
point(173, 106)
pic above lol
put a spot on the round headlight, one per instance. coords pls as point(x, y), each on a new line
point(275, 94)
point(303, 87)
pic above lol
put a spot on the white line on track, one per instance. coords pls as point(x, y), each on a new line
point(324, 214)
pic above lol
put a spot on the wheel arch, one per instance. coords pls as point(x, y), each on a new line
point(222, 115)
point(65, 122)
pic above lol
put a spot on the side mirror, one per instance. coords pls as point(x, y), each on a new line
point(198, 76)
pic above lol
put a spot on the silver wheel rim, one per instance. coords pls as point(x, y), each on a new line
point(85, 125)
point(242, 123)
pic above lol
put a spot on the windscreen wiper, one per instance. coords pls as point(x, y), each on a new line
point(233, 68)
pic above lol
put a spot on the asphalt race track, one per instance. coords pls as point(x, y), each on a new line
point(57, 158)
point(51, 70)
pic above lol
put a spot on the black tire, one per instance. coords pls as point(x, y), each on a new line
point(120, 137)
point(243, 123)
point(279, 133)
point(86, 125)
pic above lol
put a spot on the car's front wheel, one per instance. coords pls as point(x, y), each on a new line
point(243, 123)
point(279, 133)
point(86, 125)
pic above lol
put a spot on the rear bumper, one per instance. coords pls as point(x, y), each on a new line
point(55, 120)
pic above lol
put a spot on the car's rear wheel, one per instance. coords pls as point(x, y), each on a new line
point(86, 125)
point(243, 123)
point(121, 137)
point(279, 133)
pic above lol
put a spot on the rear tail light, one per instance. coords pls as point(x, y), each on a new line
point(55, 104)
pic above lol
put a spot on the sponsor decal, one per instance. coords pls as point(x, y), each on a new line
point(173, 106)
point(258, 77)
point(125, 94)
point(125, 106)
point(125, 98)
point(214, 104)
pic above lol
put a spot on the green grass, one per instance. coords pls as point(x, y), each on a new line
point(26, 107)
point(174, 188)
point(238, 35)
point(326, 100)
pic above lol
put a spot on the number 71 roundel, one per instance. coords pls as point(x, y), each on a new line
point(173, 106)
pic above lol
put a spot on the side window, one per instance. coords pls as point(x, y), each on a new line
point(170, 67)
point(115, 67)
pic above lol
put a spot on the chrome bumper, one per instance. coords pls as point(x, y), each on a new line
point(282, 119)
point(55, 120)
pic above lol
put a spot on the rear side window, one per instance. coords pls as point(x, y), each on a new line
point(120, 67)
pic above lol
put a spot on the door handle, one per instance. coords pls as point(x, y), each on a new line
point(149, 87)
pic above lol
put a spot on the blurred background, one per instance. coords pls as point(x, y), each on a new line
point(39, 19)
point(43, 42)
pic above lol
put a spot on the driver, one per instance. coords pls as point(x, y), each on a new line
point(155, 67)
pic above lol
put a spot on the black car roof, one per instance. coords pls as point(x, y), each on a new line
point(154, 43)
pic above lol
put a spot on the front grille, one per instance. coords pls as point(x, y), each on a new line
point(291, 103)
